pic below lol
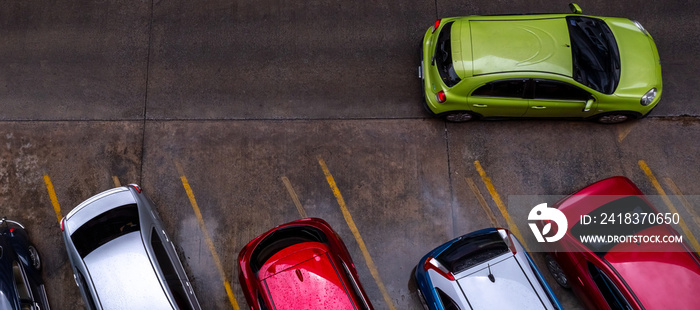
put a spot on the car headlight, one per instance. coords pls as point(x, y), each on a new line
point(641, 27)
point(648, 98)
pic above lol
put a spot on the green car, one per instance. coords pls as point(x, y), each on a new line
point(605, 69)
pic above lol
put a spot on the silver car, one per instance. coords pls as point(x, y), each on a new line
point(485, 269)
point(121, 255)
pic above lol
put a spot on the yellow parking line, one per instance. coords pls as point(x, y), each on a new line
point(693, 242)
point(623, 130)
point(294, 196)
point(482, 202)
point(501, 206)
point(52, 196)
point(116, 181)
point(356, 233)
point(676, 191)
point(207, 238)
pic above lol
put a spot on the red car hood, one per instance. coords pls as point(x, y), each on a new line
point(664, 276)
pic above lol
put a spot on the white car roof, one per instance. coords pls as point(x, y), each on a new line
point(123, 276)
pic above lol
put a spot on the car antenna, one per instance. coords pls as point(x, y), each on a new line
point(491, 277)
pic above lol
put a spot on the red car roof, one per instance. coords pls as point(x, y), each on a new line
point(661, 275)
point(303, 276)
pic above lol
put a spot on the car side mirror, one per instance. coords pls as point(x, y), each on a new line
point(589, 104)
point(575, 8)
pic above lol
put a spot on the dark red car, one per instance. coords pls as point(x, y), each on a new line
point(300, 265)
point(633, 274)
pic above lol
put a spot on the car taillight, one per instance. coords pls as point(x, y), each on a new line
point(440, 96)
point(508, 240)
point(437, 24)
point(62, 221)
point(432, 263)
point(136, 187)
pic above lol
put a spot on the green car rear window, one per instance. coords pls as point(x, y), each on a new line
point(595, 56)
point(443, 57)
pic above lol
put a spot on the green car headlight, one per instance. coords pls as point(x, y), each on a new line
point(648, 98)
point(639, 25)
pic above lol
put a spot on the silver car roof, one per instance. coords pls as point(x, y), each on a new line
point(95, 206)
point(123, 276)
point(510, 290)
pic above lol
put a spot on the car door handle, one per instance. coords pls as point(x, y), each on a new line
point(480, 105)
point(539, 107)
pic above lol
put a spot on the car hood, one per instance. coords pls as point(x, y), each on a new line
point(662, 275)
point(640, 69)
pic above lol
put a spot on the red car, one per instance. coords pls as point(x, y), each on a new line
point(633, 274)
point(300, 265)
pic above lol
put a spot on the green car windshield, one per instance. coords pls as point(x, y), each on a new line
point(596, 59)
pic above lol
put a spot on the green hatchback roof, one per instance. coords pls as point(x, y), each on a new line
point(508, 45)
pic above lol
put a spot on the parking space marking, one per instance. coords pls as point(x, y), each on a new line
point(501, 206)
point(295, 198)
point(693, 242)
point(351, 223)
point(115, 179)
point(207, 238)
point(52, 196)
point(676, 191)
point(623, 130)
point(482, 202)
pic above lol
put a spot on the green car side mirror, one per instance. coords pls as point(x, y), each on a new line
point(575, 8)
point(589, 104)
